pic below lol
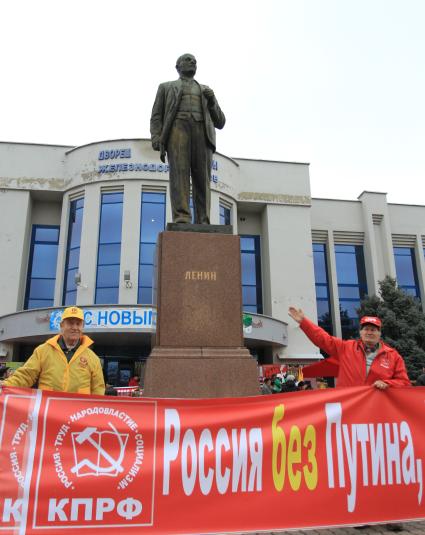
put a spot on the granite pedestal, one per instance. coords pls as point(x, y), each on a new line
point(198, 347)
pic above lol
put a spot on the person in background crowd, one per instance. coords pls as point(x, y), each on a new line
point(6, 372)
point(64, 363)
point(276, 384)
point(304, 385)
point(134, 381)
point(9, 373)
point(266, 387)
point(289, 384)
point(368, 361)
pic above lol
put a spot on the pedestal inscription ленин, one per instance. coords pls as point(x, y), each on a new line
point(198, 349)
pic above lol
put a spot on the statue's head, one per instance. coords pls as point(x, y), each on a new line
point(186, 64)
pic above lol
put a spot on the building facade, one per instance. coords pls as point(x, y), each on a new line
point(79, 225)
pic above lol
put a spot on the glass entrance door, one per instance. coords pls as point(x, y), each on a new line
point(118, 372)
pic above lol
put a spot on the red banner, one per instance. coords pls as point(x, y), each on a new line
point(304, 459)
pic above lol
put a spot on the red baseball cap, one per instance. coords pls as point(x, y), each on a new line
point(371, 320)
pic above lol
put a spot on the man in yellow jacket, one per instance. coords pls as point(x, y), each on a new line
point(64, 363)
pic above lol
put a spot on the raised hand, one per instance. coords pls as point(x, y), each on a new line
point(296, 314)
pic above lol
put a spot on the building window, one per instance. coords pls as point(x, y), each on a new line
point(153, 222)
point(352, 287)
point(324, 315)
point(405, 265)
point(76, 210)
point(225, 215)
point(252, 299)
point(109, 251)
point(42, 267)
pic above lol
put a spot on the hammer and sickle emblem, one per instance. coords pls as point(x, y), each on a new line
point(114, 464)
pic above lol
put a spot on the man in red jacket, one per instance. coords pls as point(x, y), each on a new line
point(367, 361)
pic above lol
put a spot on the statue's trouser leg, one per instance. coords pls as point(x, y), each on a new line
point(179, 155)
point(201, 173)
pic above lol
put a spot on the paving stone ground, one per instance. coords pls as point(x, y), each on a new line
point(409, 528)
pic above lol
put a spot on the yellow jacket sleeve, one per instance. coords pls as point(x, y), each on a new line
point(27, 374)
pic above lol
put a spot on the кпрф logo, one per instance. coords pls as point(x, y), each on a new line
point(106, 457)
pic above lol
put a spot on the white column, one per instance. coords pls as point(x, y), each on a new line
point(215, 208)
point(15, 239)
point(291, 271)
point(333, 285)
point(234, 220)
point(420, 267)
point(63, 239)
point(168, 211)
point(130, 242)
point(89, 245)
point(379, 254)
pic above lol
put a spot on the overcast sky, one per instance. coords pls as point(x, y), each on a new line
point(336, 83)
